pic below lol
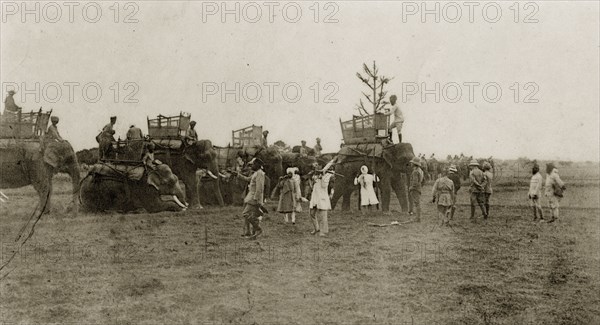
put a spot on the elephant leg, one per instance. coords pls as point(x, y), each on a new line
point(343, 190)
point(191, 190)
point(399, 188)
point(385, 193)
point(335, 197)
point(75, 181)
point(346, 200)
point(48, 204)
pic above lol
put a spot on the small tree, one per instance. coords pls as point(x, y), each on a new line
point(376, 83)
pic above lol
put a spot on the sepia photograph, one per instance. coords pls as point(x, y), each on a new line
point(300, 162)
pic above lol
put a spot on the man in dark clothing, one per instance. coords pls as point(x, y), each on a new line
point(477, 189)
point(455, 178)
point(134, 133)
point(254, 199)
point(414, 188)
point(107, 138)
point(9, 103)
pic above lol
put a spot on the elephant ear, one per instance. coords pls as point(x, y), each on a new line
point(154, 180)
point(189, 157)
point(165, 173)
point(388, 157)
point(56, 152)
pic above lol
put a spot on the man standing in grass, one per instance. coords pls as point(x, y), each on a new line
point(414, 189)
point(443, 193)
point(535, 191)
point(554, 189)
point(254, 199)
point(455, 178)
point(487, 191)
point(477, 189)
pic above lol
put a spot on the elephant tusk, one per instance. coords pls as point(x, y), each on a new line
point(223, 175)
point(211, 174)
point(179, 202)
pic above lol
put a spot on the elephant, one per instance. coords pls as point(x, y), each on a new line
point(304, 165)
point(34, 162)
point(392, 168)
point(186, 161)
point(233, 188)
point(310, 151)
point(128, 188)
point(271, 157)
point(88, 156)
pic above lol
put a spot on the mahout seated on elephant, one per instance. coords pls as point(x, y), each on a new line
point(124, 188)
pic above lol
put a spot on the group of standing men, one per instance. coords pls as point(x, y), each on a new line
point(554, 188)
point(446, 187)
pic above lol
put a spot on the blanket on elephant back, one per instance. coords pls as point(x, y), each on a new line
point(226, 156)
point(21, 143)
point(131, 172)
point(362, 149)
point(172, 144)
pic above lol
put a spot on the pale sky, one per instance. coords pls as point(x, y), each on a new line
point(172, 51)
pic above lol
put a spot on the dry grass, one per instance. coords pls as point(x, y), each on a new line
point(193, 267)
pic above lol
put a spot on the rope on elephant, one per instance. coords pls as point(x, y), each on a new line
point(37, 217)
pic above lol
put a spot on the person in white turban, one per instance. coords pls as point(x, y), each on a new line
point(368, 198)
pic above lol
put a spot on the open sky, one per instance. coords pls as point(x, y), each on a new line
point(182, 55)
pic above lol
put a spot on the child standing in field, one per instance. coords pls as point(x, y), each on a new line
point(535, 191)
point(286, 188)
point(443, 193)
point(368, 198)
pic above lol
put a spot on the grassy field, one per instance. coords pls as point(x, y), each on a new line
point(193, 267)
